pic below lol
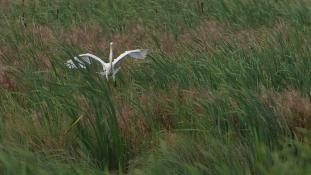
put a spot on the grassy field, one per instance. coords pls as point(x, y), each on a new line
point(224, 90)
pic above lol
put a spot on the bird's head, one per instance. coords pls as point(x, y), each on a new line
point(111, 43)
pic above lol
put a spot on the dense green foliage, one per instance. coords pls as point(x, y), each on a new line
point(225, 89)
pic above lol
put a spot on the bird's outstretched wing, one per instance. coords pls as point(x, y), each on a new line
point(80, 62)
point(138, 54)
point(76, 63)
point(87, 57)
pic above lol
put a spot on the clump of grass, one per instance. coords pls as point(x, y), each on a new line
point(222, 92)
point(21, 161)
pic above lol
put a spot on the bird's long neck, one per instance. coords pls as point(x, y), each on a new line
point(110, 55)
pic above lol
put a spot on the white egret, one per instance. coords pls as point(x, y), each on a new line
point(108, 68)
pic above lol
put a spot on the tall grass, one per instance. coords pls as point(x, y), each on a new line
point(227, 98)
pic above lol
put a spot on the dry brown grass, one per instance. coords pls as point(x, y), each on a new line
point(132, 124)
point(6, 82)
point(4, 3)
point(295, 108)
point(88, 37)
point(43, 34)
point(208, 33)
point(30, 131)
point(158, 104)
point(134, 128)
point(91, 38)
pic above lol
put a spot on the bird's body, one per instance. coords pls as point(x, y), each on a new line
point(108, 69)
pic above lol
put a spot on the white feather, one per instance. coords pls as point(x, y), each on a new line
point(138, 54)
point(108, 68)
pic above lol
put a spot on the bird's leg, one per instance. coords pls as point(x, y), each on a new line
point(115, 82)
point(114, 75)
point(107, 75)
point(116, 71)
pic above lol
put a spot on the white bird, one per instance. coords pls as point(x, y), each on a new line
point(108, 68)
